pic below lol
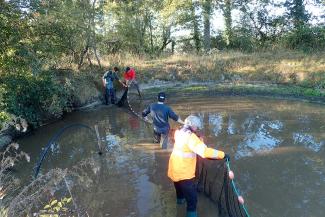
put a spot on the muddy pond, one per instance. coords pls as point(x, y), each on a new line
point(277, 150)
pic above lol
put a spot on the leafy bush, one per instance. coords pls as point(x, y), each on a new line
point(243, 40)
point(35, 98)
point(315, 80)
point(305, 38)
point(4, 116)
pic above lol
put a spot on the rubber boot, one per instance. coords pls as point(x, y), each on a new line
point(180, 201)
point(191, 214)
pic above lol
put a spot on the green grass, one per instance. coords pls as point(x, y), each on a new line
point(285, 73)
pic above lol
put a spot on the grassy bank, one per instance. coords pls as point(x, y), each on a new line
point(281, 73)
point(231, 89)
point(278, 67)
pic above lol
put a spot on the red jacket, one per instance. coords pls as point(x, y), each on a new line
point(129, 75)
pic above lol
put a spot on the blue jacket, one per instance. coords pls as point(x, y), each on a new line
point(160, 114)
point(109, 78)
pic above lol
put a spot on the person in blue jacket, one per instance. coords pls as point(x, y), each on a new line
point(108, 82)
point(160, 114)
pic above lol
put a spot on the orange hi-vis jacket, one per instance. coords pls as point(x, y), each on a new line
point(182, 161)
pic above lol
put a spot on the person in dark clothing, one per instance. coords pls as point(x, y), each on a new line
point(160, 114)
point(108, 82)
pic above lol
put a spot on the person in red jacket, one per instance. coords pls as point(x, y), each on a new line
point(130, 78)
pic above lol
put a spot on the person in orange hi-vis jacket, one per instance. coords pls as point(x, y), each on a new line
point(182, 162)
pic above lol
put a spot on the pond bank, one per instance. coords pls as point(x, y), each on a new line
point(151, 89)
point(239, 89)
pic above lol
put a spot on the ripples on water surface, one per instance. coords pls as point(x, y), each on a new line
point(277, 149)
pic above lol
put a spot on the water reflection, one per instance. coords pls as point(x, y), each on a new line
point(307, 141)
point(277, 150)
point(258, 137)
point(271, 141)
point(215, 121)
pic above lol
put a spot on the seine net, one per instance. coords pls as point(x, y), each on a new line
point(214, 182)
point(213, 178)
point(132, 99)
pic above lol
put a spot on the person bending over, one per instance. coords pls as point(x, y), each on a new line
point(130, 78)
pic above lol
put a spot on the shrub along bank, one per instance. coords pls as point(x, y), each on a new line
point(49, 94)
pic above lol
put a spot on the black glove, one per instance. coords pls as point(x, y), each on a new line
point(227, 157)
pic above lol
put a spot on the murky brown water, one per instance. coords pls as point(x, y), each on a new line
point(277, 149)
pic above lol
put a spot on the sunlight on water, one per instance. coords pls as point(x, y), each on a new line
point(276, 146)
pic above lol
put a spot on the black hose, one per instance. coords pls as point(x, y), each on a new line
point(53, 139)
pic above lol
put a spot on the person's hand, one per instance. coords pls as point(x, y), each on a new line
point(179, 120)
point(124, 85)
point(227, 157)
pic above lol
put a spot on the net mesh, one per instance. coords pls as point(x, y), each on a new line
point(214, 182)
point(213, 179)
point(131, 99)
point(212, 175)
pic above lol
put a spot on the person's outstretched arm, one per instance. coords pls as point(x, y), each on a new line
point(146, 111)
point(179, 120)
point(197, 146)
point(175, 117)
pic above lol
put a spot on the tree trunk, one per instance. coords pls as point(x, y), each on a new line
point(151, 36)
point(166, 38)
point(228, 22)
point(196, 34)
point(94, 34)
point(89, 59)
point(83, 53)
point(96, 55)
point(207, 10)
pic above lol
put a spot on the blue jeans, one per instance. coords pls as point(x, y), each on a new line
point(110, 93)
point(161, 138)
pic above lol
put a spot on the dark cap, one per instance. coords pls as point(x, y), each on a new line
point(127, 69)
point(161, 97)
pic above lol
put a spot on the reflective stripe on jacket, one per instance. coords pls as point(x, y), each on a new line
point(182, 161)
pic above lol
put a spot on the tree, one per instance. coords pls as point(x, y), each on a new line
point(14, 52)
point(263, 25)
point(207, 12)
point(195, 26)
point(297, 13)
point(227, 8)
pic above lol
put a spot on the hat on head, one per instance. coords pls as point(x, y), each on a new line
point(127, 69)
point(161, 97)
point(193, 122)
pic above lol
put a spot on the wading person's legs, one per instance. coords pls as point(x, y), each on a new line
point(164, 141)
point(156, 137)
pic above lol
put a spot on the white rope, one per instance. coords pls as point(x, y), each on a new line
point(132, 110)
